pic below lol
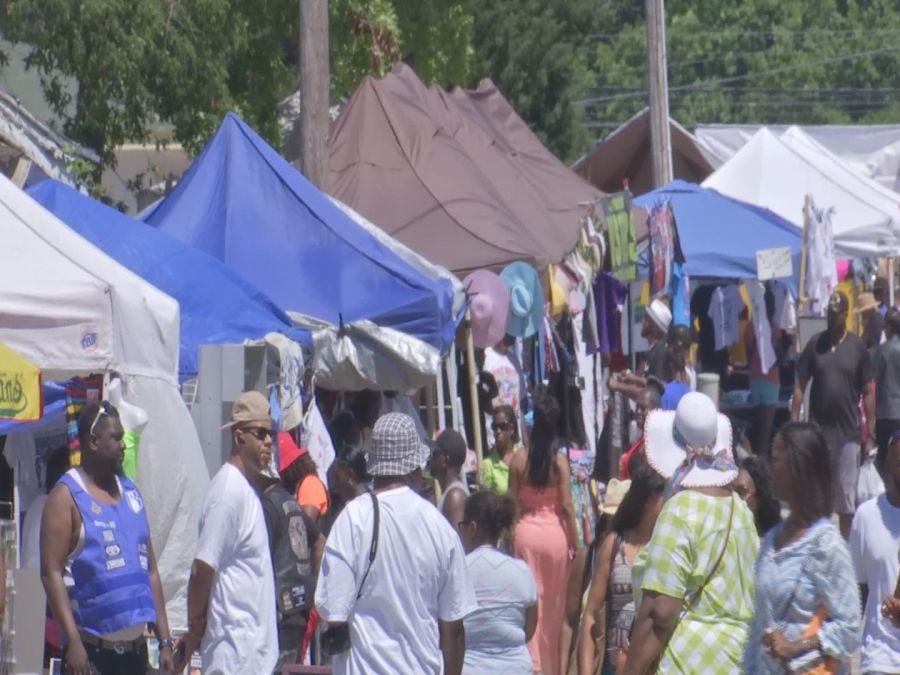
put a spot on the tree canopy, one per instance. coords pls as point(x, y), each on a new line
point(573, 69)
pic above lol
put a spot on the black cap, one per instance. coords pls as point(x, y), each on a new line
point(838, 303)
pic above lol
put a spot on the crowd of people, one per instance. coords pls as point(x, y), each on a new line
point(406, 561)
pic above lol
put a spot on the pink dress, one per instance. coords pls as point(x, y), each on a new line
point(540, 540)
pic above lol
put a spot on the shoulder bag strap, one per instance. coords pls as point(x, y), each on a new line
point(696, 595)
point(374, 549)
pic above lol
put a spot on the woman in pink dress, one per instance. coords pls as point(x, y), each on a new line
point(545, 535)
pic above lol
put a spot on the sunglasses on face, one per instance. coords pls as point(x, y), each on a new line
point(260, 433)
point(103, 410)
point(501, 426)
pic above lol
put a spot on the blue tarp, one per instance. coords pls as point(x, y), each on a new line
point(242, 203)
point(720, 235)
point(217, 305)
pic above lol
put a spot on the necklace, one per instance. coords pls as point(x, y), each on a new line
point(838, 343)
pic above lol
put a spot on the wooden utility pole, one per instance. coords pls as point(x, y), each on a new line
point(660, 136)
point(314, 81)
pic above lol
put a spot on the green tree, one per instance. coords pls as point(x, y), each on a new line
point(535, 51)
point(757, 61)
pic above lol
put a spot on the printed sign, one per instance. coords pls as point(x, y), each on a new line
point(20, 387)
point(774, 263)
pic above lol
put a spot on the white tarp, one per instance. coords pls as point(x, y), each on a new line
point(71, 309)
point(778, 174)
point(872, 150)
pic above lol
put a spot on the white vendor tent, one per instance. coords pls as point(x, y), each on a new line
point(777, 173)
point(72, 310)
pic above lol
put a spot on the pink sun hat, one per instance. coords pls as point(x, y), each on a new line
point(489, 306)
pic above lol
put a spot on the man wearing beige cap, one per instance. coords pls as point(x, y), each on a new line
point(394, 587)
point(231, 602)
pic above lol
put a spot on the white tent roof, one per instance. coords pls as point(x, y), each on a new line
point(778, 173)
point(70, 308)
point(870, 149)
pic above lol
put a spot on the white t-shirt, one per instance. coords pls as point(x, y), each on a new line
point(874, 548)
point(725, 309)
point(418, 576)
point(241, 634)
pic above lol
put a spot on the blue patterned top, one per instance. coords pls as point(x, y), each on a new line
point(792, 583)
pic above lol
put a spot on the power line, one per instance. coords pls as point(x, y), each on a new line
point(696, 34)
point(699, 86)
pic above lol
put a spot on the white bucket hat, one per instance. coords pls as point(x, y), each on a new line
point(691, 445)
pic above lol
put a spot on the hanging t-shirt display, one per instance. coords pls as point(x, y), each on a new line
point(725, 309)
point(821, 270)
point(681, 296)
point(762, 330)
point(665, 250)
point(610, 295)
point(622, 247)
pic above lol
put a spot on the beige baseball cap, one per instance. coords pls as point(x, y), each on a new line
point(251, 406)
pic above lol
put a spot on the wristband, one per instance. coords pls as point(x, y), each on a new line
point(166, 643)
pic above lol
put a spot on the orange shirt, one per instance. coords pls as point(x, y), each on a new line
point(312, 492)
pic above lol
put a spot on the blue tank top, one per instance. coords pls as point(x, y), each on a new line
point(111, 571)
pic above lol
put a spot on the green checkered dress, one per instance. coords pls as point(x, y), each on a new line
point(687, 540)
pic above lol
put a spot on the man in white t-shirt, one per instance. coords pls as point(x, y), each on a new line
point(405, 608)
point(231, 597)
point(875, 549)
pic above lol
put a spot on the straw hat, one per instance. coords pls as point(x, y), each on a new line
point(694, 441)
point(615, 493)
point(489, 307)
point(526, 299)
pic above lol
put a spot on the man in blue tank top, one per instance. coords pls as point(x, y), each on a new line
point(95, 522)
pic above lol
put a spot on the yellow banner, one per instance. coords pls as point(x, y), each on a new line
point(20, 387)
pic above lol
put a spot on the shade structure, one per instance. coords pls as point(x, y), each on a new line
point(217, 305)
point(242, 203)
point(457, 177)
point(625, 157)
point(71, 309)
point(719, 235)
point(778, 173)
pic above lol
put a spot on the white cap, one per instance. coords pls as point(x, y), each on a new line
point(660, 314)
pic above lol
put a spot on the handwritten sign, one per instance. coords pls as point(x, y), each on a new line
point(774, 263)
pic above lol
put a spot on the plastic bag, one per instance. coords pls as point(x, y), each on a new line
point(870, 484)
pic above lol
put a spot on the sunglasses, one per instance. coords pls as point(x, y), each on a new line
point(463, 523)
point(260, 433)
point(501, 426)
point(101, 411)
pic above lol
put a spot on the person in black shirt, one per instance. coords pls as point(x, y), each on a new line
point(836, 365)
point(296, 546)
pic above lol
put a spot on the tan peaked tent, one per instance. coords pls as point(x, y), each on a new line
point(624, 155)
point(457, 177)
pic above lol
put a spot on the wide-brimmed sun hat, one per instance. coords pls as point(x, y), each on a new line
point(615, 493)
point(488, 306)
point(396, 448)
point(692, 444)
point(526, 299)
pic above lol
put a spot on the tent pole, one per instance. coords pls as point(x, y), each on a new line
point(441, 417)
point(473, 389)
point(891, 282)
point(804, 246)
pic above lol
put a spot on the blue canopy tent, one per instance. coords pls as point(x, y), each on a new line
point(720, 235)
point(217, 305)
point(242, 203)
